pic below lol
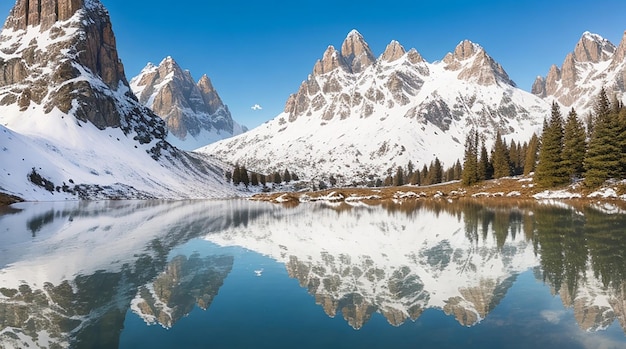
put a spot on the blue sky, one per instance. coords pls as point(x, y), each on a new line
point(258, 52)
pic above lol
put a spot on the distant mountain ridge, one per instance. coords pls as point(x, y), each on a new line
point(358, 116)
point(595, 63)
point(71, 127)
point(193, 112)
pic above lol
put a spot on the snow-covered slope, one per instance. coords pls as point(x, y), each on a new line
point(194, 112)
point(595, 63)
point(357, 116)
point(70, 125)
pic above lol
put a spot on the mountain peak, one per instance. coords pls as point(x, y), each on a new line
point(356, 52)
point(620, 53)
point(329, 62)
point(474, 64)
point(393, 52)
point(466, 49)
point(593, 48)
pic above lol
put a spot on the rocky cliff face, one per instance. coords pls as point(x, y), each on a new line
point(71, 64)
point(357, 116)
point(72, 116)
point(594, 63)
point(194, 112)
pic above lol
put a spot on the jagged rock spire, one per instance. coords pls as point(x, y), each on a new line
point(393, 52)
point(41, 12)
point(473, 63)
point(330, 61)
point(593, 48)
point(356, 52)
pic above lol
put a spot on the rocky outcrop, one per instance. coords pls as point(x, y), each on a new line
point(356, 53)
point(593, 64)
point(43, 13)
point(74, 70)
point(194, 112)
point(474, 64)
point(393, 52)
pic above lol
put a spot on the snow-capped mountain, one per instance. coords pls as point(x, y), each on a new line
point(594, 63)
point(193, 112)
point(356, 115)
point(70, 125)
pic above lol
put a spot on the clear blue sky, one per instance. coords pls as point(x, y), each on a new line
point(258, 52)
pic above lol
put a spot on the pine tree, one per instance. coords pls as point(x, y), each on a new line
point(398, 179)
point(514, 158)
point(484, 166)
point(276, 178)
point(243, 174)
point(236, 175)
point(550, 171)
point(621, 117)
point(254, 179)
point(435, 172)
point(424, 175)
point(287, 176)
point(574, 145)
point(602, 160)
point(500, 158)
point(470, 173)
point(531, 155)
point(458, 170)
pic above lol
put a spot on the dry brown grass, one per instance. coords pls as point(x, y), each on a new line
point(504, 189)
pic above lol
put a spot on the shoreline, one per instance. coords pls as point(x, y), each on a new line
point(504, 189)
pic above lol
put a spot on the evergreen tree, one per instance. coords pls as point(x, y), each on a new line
point(470, 173)
point(550, 171)
point(435, 172)
point(287, 176)
point(409, 169)
point(276, 178)
point(424, 175)
point(514, 157)
point(236, 175)
point(254, 179)
point(243, 174)
point(483, 163)
point(603, 157)
point(500, 158)
point(458, 170)
point(415, 178)
point(531, 155)
point(398, 179)
point(621, 119)
point(263, 179)
point(574, 145)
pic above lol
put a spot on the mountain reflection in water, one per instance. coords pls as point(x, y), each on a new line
point(69, 272)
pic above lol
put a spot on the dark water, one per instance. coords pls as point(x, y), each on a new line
point(238, 274)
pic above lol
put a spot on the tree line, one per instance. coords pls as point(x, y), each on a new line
point(240, 175)
point(567, 151)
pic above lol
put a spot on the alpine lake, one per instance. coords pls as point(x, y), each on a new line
point(246, 274)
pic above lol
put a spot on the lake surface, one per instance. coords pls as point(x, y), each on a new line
point(240, 274)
